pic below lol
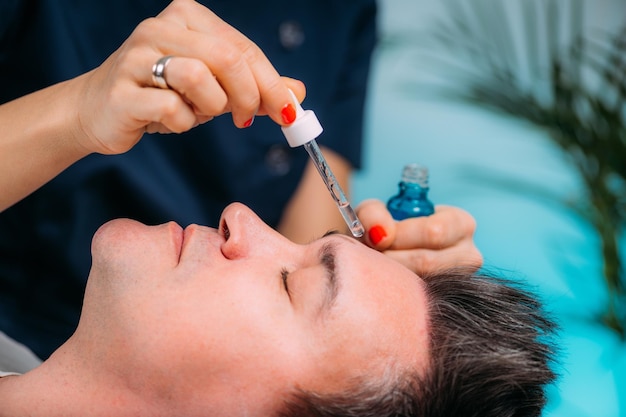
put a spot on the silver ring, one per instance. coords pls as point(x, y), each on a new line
point(158, 71)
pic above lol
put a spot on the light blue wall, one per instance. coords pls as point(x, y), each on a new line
point(477, 161)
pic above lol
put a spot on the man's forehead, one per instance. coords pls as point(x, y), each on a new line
point(381, 317)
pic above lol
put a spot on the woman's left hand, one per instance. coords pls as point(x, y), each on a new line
point(423, 244)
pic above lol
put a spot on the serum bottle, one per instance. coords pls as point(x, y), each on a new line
point(412, 198)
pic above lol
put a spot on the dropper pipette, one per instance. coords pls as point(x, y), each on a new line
point(303, 131)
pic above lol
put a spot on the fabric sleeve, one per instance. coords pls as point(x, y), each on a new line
point(346, 119)
point(15, 358)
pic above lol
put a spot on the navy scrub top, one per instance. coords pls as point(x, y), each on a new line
point(45, 239)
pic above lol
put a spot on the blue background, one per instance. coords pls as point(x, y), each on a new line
point(513, 179)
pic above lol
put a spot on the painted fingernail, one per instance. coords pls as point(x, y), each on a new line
point(288, 113)
point(377, 234)
point(248, 122)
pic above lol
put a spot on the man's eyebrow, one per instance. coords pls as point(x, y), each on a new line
point(331, 232)
point(327, 257)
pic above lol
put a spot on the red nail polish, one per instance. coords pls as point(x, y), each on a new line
point(377, 234)
point(288, 113)
point(248, 122)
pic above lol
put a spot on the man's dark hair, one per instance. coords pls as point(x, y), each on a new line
point(490, 356)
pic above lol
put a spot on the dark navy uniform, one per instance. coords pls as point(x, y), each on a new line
point(45, 239)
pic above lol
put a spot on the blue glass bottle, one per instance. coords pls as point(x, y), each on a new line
point(412, 199)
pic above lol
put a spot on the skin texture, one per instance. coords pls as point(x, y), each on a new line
point(199, 322)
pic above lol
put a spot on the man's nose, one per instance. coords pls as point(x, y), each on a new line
point(247, 235)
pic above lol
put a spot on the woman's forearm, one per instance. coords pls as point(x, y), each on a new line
point(38, 139)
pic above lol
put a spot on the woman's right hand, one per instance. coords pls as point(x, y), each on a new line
point(214, 70)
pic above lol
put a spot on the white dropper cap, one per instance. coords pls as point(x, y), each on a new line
point(304, 129)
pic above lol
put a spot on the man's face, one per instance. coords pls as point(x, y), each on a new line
point(231, 320)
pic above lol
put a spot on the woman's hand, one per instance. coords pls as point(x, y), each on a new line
point(214, 70)
point(423, 244)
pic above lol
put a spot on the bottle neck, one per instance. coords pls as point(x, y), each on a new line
point(412, 189)
point(415, 174)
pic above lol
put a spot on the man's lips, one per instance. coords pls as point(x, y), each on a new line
point(178, 237)
point(197, 235)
